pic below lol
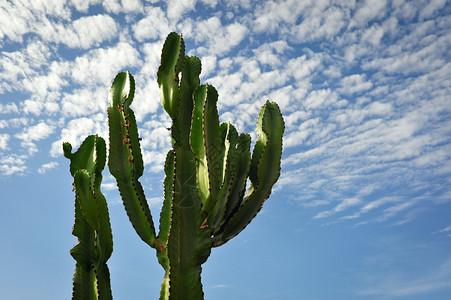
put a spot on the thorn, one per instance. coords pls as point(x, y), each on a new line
point(204, 224)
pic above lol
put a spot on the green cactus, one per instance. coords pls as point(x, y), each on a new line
point(205, 201)
point(92, 223)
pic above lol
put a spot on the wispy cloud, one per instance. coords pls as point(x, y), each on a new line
point(393, 285)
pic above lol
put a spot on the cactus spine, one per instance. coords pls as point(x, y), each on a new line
point(92, 223)
point(205, 202)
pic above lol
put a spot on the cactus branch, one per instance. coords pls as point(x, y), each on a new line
point(92, 224)
point(125, 160)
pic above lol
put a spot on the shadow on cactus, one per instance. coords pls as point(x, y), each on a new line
point(205, 199)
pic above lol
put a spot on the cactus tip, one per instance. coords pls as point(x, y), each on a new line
point(67, 150)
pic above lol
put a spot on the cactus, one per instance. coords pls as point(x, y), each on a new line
point(92, 224)
point(205, 199)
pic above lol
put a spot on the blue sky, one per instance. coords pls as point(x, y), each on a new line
point(362, 209)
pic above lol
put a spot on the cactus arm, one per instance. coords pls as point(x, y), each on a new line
point(92, 224)
point(165, 223)
point(229, 141)
point(88, 202)
point(238, 164)
point(125, 160)
point(165, 215)
point(238, 184)
point(264, 171)
point(189, 83)
point(172, 58)
point(207, 145)
point(197, 145)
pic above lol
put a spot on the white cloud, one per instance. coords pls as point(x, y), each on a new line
point(431, 9)
point(208, 65)
point(373, 35)
point(100, 66)
point(211, 3)
point(269, 17)
point(320, 24)
point(112, 6)
point(84, 32)
point(355, 83)
point(89, 31)
point(177, 8)
point(146, 100)
point(32, 134)
point(84, 102)
point(83, 5)
point(346, 203)
point(77, 130)
point(14, 123)
point(12, 164)
point(4, 138)
point(8, 108)
point(445, 231)
point(46, 167)
point(320, 99)
point(368, 11)
point(302, 67)
point(154, 26)
point(36, 132)
point(217, 39)
point(271, 53)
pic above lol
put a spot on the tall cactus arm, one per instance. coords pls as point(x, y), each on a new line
point(165, 215)
point(238, 184)
point(125, 160)
point(172, 59)
point(232, 191)
point(92, 224)
point(264, 171)
point(189, 83)
point(165, 223)
point(207, 145)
